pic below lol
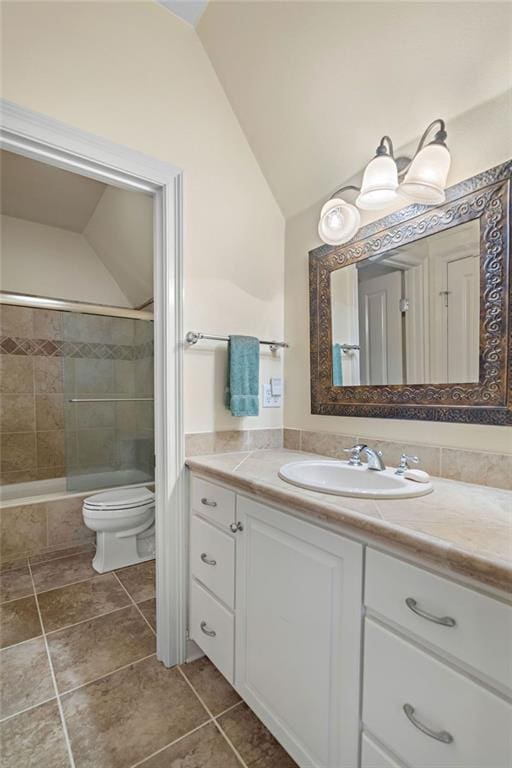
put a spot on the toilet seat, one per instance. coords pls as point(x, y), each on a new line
point(121, 500)
point(101, 513)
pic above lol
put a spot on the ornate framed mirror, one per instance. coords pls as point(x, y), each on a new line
point(412, 318)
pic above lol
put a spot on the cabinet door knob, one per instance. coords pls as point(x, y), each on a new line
point(234, 527)
point(208, 502)
point(446, 621)
point(204, 628)
point(204, 558)
point(443, 736)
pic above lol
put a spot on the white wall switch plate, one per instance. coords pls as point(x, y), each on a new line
point(270, 400)
point(276, 386)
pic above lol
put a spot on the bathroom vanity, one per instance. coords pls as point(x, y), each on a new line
point(357, 641)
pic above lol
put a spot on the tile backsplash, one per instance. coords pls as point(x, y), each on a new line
point(483, 468)
point(229, 441)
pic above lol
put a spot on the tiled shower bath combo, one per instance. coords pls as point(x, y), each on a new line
point(54, 452)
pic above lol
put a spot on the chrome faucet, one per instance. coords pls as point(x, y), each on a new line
point(404, 463)
point(375, 461)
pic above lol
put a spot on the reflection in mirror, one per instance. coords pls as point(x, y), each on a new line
point(410, 315)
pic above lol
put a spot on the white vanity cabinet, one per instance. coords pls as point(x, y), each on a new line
point(290, 642)
point(212, 573)
point(435, 656)
point(373, 756)
point(298, 633)
point(429, 714)
point(414, 673)
point(465, 625)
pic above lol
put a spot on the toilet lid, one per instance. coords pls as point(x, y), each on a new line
point(120, 498)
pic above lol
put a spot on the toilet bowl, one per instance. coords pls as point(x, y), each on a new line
point(124, 521)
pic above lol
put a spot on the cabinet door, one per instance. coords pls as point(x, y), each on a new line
point(298, 625)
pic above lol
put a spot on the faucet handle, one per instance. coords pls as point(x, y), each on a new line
point(404, 463)
point(355, 454)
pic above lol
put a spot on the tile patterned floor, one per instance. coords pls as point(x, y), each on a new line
point(81, 687)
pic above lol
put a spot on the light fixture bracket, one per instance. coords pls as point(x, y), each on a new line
point(344, 189)
point(439, 138)
point(385, 147)
point(402, 164)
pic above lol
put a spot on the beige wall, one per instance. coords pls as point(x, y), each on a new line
point(121, 232)
point(478, 139)
point(46, 261)
point(136, 74)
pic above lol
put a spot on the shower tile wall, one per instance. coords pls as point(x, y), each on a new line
point(116, 361)
point(32, 401)
point(48, 357)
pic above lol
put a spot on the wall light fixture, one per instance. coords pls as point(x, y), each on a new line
point(423, 180)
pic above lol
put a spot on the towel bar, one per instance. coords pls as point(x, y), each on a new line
point(193, 337)
point(110, 399)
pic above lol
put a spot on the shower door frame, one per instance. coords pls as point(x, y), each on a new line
point(40, 137)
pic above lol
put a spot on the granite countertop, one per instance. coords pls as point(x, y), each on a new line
point(465, 528)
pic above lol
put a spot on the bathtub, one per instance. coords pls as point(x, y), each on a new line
point(37, 491)
point(43, 516)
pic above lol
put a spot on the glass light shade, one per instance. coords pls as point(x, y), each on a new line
point(380, 182)
point(339, 221)
point(425, 180)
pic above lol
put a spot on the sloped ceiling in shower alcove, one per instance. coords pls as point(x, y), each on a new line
point(47, 195)
point(121, 232)
point(71, 237)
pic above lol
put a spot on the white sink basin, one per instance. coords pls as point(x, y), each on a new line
point(338, 477)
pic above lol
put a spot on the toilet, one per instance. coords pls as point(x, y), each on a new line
point(124, 521)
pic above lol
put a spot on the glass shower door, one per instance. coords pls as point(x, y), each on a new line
point(108, 386)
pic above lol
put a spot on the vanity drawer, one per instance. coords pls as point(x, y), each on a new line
point(212, 559)
point(207, 615)
point(212, 501)
point(372, 756)
point(397, 673)
point(482, 634)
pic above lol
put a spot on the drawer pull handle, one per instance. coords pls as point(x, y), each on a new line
point(204, 558)
point(443, 736)
point(208, 503)
point(209, 632)
point(446, 621)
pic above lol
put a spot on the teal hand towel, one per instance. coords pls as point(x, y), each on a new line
point(243, 376)
point(337, 366)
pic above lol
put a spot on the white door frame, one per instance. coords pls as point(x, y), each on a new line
point(42, 138)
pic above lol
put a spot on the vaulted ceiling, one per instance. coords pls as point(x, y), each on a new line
point(316, 84)
point(188, 10)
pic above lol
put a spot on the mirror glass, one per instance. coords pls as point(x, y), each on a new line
point(410, 315)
